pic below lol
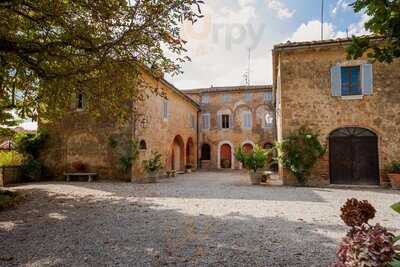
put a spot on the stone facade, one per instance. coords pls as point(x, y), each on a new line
point(223, 126)
point(303, 86)
point(100, 143)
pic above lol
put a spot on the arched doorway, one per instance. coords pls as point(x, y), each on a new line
point(247, 148)
point(226, 156)
point(205, 152)
point(177, 155)
point(190, 152)
point(353, 156)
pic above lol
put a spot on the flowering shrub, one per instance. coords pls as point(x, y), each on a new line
point(364, 244)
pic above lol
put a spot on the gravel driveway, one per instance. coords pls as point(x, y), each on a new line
point(199, 219)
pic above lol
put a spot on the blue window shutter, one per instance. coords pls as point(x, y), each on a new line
point(219, 121)
point(367, 79)
point(336, 81)
point(231, 121)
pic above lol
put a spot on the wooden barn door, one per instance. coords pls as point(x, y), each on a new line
point(354, 157)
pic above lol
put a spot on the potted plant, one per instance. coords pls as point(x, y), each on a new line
point(152, 166)
point(173, 173)
point(188, 168)
point(393, 172)
point(253, 161)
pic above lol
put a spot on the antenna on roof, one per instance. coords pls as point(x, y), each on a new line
point(322, 20)
point(347, 32)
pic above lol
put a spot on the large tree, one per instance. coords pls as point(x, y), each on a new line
point(384, 24)
point(52, 49)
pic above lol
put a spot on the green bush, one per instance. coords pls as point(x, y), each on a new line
point(252, 160)
point(8, 199)
point(131, 155)
point(153, 164)
point(299, 152)
point(10, 159)
point(29, 143)
point(393, 167)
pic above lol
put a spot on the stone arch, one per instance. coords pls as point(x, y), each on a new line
point(262, 111)
point(248, 145)
point(223, 148)
point(190, 152)
point(239, 115)
point(178, 154)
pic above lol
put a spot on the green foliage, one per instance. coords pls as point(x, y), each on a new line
point(393, 167)
point(153, 164)
point(384, 23)
point(396, 239)
point(8, 199)
point(51, 49)
point(29, 144)
point(299, 152)
point(131, 155)
point(112, 142)
point(32, 168)
point(10, 158)
point(252, 160)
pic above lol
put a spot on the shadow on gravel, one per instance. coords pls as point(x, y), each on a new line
point(61, 230)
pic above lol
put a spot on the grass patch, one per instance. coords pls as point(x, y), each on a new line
point(8, 199)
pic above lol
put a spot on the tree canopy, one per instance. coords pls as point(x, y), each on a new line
point(50, 50)
point(384, 24)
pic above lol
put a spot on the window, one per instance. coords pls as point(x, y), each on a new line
point(248, 96)
point(142, 145)
point(269, 120)
point(205, 99)
point(226, 98)
point(247, 120)
point(80, 105)
point(192, 121)
point(165, 109)
point(351, 81)
point(206, 120)
point(268, 96)
point(225, 121)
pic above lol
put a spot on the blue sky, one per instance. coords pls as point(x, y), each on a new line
point(218, 45)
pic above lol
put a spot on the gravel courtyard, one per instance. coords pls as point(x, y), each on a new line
point(199, 219)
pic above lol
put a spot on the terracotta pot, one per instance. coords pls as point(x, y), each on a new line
point(151, 178)
point(255, 178)
point(394, 180)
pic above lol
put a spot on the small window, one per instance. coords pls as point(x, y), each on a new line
point(268, 96)
point(225, 121)
point(351, 81)
point(248, 97)
point(226, 98)
point(247, 120)
point(205, 99)
point(142, 145)
point(206, 121)
point(165, 109)
point(80, 105)
point(269, 120)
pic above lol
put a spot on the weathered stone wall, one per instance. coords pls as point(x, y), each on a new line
point(78, 136)
point(236, 136)
point(10, 175)
point(304, 98)
point(161, 132)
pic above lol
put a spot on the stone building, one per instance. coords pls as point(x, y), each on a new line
point(232, 117)
point(355, 105)
point(167, 125)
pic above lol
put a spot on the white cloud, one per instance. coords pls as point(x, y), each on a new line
point(311, 30)
point(340, 5)
point(282, 11)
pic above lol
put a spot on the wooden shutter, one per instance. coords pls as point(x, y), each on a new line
point(219, 121)
point(367, 79)
point(336, 81)
point(231, 121)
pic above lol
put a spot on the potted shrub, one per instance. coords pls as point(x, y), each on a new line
point(393, 171)
point(253, 161)
point(152, 166)
point(189, 168)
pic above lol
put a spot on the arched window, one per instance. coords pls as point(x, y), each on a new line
point(142, 145)
point(269, 120)
point(205, 152)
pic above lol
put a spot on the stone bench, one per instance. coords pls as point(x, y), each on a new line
point(90, 176)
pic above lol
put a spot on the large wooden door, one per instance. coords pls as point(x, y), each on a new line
point(226, 156)
point(354, 157)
